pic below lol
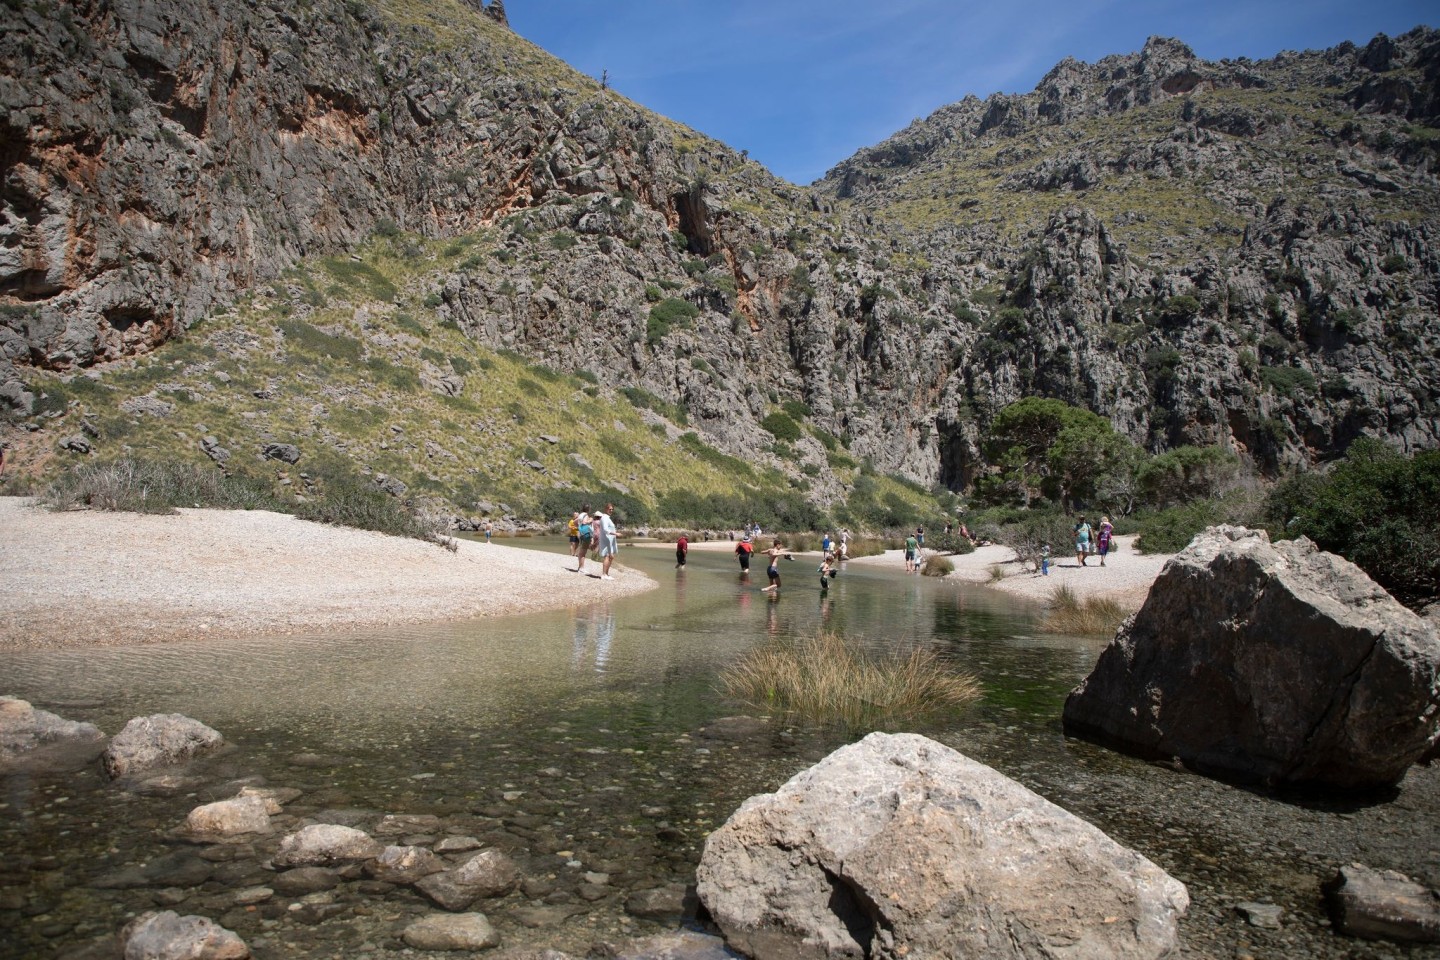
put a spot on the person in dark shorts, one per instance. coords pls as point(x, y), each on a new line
point(682, 550)
point(776, 551)
point(743, 549)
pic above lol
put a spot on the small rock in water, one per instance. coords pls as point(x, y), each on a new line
point(467, 931)
point(1266, 915)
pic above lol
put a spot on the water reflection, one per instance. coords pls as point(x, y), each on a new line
point(594, 633)
point(582, 730)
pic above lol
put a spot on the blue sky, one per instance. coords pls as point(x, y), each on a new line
point(803, 84)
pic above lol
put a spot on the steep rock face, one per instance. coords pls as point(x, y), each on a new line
point(1132, 237)
point(1303, 307)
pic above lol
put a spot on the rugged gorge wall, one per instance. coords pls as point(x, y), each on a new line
point(1232, 253)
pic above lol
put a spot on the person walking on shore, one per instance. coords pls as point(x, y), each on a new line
point(573, 529)
point(1107, 531)
point(584, 536)
point(608, 539)
point(1082, 540)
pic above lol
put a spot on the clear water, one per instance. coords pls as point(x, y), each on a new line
point(575, 739)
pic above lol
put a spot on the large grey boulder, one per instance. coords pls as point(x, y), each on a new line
point(165, 935)
point(31, 738)
point(160, 740)
point(898, 846)
point(1275, 663)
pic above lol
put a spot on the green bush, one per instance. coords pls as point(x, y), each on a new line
point(310, 339)
point(1290, 382)
point(667, 314)
point(1378, 509)
point(781, 427)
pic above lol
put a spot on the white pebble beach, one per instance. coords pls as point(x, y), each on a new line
point(88, 577)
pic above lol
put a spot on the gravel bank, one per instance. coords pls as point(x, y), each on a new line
point(89, 577)
point(1125, 578)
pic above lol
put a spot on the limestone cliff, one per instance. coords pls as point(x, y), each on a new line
point(1238, 253)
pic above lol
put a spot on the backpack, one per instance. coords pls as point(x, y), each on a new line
point(585, 531)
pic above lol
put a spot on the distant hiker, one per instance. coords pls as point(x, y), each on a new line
point(920, 537)
point(682, 549)
point(585, 535)
point(825, 542)
point(489, 530)
point(573, 528)
point(776, 551)
point(1045, 560)
point(911, 546)
point(608, 539)
point(1107, 530)
point(1082, 540)
point(743, 549)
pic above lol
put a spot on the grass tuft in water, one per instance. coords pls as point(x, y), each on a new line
point(828, 678)
point(1095, 616)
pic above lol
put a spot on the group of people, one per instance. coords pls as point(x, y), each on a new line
point(1095, 540)
point(595, 531)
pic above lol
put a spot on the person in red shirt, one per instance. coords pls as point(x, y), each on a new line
point(682, 547)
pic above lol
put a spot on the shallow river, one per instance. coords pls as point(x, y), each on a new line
point(577, 742)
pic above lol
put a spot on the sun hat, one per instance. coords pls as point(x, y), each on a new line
point(747, 539)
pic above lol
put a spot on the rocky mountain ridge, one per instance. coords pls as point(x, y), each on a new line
point(1236, 253)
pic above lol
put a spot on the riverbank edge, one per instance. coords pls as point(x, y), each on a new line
point(88, 578)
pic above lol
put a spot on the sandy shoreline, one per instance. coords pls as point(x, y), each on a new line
point(84, 578)
point(1125, 578)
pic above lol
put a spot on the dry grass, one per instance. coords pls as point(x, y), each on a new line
point(1095, 616)
point(828, 678)
point(997, 573)
point(937, 566)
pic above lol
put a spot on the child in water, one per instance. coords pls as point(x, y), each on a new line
point(827, 571)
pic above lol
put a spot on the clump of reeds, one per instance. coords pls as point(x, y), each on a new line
point(1093, 616)
point(997, 572)
point(936, 566)
point(826, 677)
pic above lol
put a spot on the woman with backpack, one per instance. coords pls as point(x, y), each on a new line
point(585, 535)
point(1082, 540)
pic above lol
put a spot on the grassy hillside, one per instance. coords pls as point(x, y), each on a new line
point(348, 360)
